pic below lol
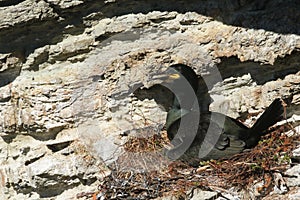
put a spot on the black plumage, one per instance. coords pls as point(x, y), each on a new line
point(213, 139)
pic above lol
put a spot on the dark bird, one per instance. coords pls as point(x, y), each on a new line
point(216, 136)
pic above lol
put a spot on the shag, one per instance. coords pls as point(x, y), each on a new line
point(213, 139)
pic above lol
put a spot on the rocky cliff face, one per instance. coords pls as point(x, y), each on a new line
point(76, 75)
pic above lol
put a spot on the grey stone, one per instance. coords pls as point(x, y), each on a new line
point(24, 12)
point(294, 173)
point(71, 74)
point(296, 152)
point(205, 195)
point(294, 195)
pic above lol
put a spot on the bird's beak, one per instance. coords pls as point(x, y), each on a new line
point(171, 78)
point(174, 76)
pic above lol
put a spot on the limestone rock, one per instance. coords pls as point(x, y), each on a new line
point(199, 194)
point(24, 12)
point(76, 75)
point(294, 173)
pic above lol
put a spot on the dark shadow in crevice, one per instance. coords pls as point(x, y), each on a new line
point(58, 188)
point(229, 67)
point(276, 16)
point(9, 137)
point(46, 136)
point(161, 95)
point(8, 76)
point(55, 147)
point(32, 131)
point(30, 161)
point(61, 186)
point(31, 36)
point(10, 2)
point(233, 67)
point(13, 62)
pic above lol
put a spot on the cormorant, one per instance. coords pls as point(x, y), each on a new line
point(213, 139)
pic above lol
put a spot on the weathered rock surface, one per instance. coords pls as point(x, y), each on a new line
point(68, 70)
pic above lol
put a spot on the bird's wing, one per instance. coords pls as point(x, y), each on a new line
point(217, 143)
point(227, 145)
point(231, 126)
point(211, 141)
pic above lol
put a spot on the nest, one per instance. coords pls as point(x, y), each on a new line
point(271, 155)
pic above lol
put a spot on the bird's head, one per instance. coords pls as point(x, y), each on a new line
point(183, 82)
point(183, 75)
